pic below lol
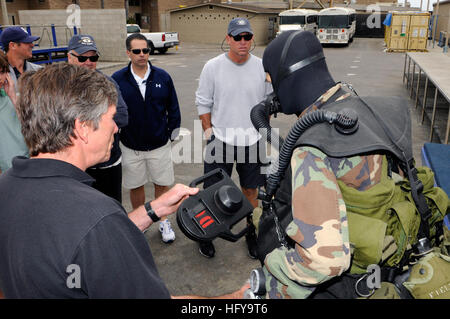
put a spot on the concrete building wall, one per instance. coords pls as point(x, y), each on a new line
point(84, 4)
point(296, 3)
point(443, 19)
point(208, 24)
point(17, 5)
point(107, 26)
point(13, 10)
point(159, 12)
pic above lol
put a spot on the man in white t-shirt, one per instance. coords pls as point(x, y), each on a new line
point(230, 85)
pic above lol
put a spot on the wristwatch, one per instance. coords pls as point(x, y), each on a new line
point(151, 213)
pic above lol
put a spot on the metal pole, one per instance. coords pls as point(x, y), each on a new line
point(448, 128)
point(412, 79)
point(417, 91)
point(433, 116)
point(424, 99)
point(408, 80)
point(446, 42)
point(55, 42)
point(428, 7)
point(5, 20)
point(404, 67)
point(127, 9)
point(435, 21)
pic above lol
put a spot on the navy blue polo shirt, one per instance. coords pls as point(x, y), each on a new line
point(61, 238)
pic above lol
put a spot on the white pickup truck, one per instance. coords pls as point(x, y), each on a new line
point(160, 41)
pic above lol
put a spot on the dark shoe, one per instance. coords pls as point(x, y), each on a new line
point(250, 238)
point(207, 249)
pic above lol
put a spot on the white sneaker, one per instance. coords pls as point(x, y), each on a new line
point(167, 233)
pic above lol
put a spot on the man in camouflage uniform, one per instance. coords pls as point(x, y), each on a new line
point(321, 186)
point(320, 227)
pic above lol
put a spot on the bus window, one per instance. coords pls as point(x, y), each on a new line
point(333, 21)
point(292, 20)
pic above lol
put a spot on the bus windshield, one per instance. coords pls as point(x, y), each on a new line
point(292, 19)
point(333, 21)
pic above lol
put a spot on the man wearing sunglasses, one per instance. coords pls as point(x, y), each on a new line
point(230, 85)
point(154, 115)
point(82, 51)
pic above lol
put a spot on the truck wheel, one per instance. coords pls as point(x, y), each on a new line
point(162, 50)
point(151, 47)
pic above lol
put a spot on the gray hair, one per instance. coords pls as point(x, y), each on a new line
point(52, 98)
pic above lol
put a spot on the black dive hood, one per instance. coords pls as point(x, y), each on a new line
point(297, 67)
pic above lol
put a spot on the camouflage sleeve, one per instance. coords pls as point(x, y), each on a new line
point(319, 230)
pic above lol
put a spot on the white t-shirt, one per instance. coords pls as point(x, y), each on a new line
point(229, 91)
point(141, 82)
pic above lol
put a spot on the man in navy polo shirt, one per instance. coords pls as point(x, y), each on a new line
point(59, 237)
point(153, 121)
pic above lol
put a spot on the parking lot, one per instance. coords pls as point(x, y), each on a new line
point(362, 64)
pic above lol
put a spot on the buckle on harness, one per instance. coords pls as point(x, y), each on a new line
point(422, 247)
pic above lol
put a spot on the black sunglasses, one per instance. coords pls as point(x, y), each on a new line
point(83, 59)
point(138, 51)
point(237, 38)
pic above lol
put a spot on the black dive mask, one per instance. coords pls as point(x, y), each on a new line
point(297, 67)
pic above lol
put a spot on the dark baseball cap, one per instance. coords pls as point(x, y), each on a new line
point(17, 35)
point(239, 25)
point(82, 43)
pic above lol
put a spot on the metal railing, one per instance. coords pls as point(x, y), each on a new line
point(52, 39)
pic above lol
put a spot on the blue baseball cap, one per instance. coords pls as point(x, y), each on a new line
point(17, 35)
point(82, 43)
point(239, 25)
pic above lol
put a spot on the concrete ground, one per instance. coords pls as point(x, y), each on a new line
point(363, 64)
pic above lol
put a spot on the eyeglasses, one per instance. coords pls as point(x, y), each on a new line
point(83, 59)
point(138, 51)
point(237, 38)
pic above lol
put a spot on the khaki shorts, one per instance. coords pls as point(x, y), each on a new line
point(141, 167)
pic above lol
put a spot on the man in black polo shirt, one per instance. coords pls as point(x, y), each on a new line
point(59, 237)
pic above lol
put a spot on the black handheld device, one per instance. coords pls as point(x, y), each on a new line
point(213, 212)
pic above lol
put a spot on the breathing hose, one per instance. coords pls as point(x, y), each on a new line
point(260, 115)
point(345, 121)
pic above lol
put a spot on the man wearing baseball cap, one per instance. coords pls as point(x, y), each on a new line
point(230, 85)
point(18, 46)
point(83, 51)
